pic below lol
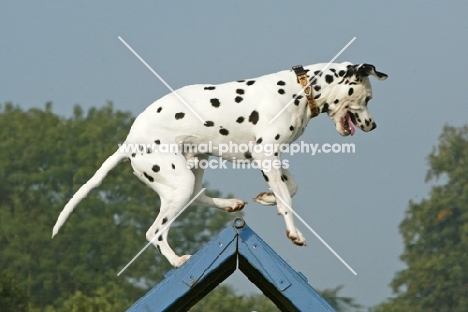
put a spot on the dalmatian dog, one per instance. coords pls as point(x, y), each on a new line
point(235, 112)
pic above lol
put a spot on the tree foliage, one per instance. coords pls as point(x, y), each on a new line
point(44, 159)
point(435, 234)
point(340, 303)
point(12, 297)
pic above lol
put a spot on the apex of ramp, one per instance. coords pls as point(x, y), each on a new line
point(237, 246)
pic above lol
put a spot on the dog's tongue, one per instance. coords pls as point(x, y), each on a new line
point(350, 124)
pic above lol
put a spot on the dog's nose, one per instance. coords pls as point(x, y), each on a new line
point(374, 125)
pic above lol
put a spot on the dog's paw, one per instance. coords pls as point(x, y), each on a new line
point(296, 237)
point(237, 205)
point(181, 260)
point(266, 199)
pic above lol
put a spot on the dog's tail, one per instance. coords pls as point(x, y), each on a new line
point(95, 181)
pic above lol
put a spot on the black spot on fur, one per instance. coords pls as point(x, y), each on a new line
point(356, 115)
point(210, 88)
point(164, 220)
point(297, 99)
point(215, 102)
point(140, 148)
point(133, 154)
point(148, 150)
point(209, 124)
point(281, 83)
point(317, 96)
point(341, 73)
point(173, 166)
point(329, 78)
point(159, 248)
point(253, 118)
point(350, 91)
point(291, 128)
point(155, 168)
point(374, 125)
point(156, 232)
point(276, 153)
point(317, 88)
point(179, 115)
point(259, 140)
point(284, 178)
point(277, 137)
point(240, 80)
point(362, 127)
point(160, 238)
point(248, 155)
point(367, 122)
point(223, 131)
point(265, 177)
point(336, 101)
point(238, 99)
point(281, 91)
point(150, 178)
point(240, 91)
point(325, 108)
point(159, 110)
point(240, 119)
point(157, 142)
point(250, 82)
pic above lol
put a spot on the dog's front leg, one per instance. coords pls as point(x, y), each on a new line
point(284, 203)
point(268, 198)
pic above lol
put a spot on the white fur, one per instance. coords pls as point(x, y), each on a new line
point(257, 101)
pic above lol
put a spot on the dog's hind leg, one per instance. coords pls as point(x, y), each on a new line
point(169, 176)
point(268, 198)
point(226, 204)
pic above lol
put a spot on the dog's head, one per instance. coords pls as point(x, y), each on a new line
point(345, 93)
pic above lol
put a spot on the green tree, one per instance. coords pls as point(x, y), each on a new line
point(435, 234)
point(44, 159)
point(340, 303)
point(12, 297)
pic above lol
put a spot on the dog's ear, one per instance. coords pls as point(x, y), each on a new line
point(364, 70)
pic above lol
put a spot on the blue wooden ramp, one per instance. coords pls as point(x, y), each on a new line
point(237, 246)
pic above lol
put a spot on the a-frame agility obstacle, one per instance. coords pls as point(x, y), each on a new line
point(236, 246)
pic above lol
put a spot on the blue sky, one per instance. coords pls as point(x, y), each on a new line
point(69, 53)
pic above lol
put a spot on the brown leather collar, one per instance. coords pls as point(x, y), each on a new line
point(303, 80)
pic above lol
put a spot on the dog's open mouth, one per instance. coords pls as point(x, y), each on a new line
point(347, 123)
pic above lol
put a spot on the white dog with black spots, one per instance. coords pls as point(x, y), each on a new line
point(236, 112)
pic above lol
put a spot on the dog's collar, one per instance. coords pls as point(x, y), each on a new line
point(303, 80)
